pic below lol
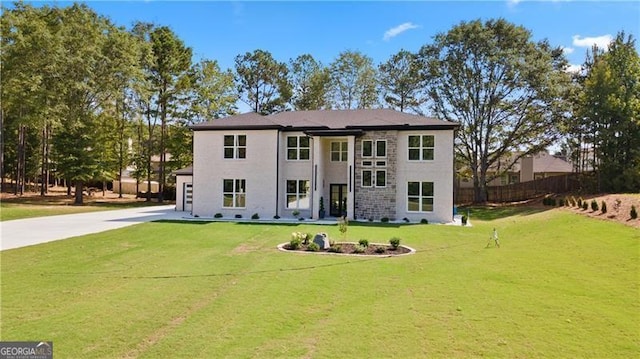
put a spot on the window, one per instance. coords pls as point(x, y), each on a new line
point(235, 146)
point(233, 193)
point(381, 148)
point(421, 147)
point(297, 147)
point(368, 179)
point(420, 196)
point(338, 151)
point(367, 148)
point(298, 194)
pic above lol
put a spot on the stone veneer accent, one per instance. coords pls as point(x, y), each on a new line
point(372, 202)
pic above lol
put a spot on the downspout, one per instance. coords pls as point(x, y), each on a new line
point(277, 170)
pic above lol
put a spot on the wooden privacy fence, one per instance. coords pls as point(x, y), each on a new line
point(573, 182)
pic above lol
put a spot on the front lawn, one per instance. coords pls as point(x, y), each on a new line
point(19, 210)
point(561, 285)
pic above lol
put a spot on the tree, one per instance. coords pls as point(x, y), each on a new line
point(310, 81)
point(353, 81)
point(403, 82)
point(610, 104)
point(169, 76)
point(212, 92)
point(262, 82)
point(506, 92)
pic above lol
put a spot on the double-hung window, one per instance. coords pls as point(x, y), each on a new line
point(338, 151)
point(235, 146)
point(375, 153)
point(420, 196)
point(234, 193)
point(298, 194)
point(421, 147)
point(297, 147)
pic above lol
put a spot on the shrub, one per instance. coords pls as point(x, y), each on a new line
point(301, 219)
point(552, 202)
point(276, 217)
point(573, 201)
point(560, 202)
point(384, 219)
point(633, 213)
point(255, 216)
point(424, 221)
point(370, 219)
point(335, 249)
point(545, 201)
point(406, 219)
point(464, 220)
point(238, 216)
point(594, 205)
point(313, 247)
point(585, 206)
point(394, 242)
point(309, 238)
point(295, 213)
point(343, 226)
point(363, 242)
point(579, 202)
point(380, 249)
point(603, 207)
point(295, 243)
point(217, 215)
point(359, 249)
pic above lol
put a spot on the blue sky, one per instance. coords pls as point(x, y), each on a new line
point(220, 30)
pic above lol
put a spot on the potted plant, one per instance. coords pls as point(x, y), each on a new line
point(321, 212)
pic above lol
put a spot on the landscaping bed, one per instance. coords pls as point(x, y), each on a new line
point(374, 249)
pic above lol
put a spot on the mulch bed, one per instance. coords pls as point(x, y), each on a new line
point(348, 248)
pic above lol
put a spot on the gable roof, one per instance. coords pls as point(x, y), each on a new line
point(187, 171)
point(371, 119)
point(544, 162)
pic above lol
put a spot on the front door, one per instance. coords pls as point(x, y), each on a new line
point(338, 200)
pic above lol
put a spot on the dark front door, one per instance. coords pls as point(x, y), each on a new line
point(338, 200)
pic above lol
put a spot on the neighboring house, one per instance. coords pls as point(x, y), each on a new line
point(528, 168)
point(365, 164)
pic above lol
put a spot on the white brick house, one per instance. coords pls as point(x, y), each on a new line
point(362, 163)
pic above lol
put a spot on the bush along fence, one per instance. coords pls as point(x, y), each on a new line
point(573, 182)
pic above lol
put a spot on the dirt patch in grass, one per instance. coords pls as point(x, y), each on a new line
point(618, 208)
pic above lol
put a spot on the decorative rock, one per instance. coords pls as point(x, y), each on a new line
point(322, 240)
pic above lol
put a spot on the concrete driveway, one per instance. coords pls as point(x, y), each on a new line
point(27, 232)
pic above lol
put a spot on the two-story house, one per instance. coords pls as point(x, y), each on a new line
point(365, 164)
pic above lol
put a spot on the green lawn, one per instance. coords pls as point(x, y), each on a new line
point(10, 211)
point(561, 286)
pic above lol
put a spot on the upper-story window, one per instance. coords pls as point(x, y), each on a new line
point(368, 148)
point(297, 147)
point(235, 146)
point(338, 151)
point(421, 147)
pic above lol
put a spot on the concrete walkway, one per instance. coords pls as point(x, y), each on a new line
point(27, 232)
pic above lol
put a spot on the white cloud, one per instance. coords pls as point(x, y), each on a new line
point(568, 50)
point(573, 68)
point(395, 31)
point(512, 3)
point(601, 41)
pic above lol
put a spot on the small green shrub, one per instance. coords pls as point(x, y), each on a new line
point(406, 220)
point(633, 213)
point(313, 247)
point(335, 249)
point(238, 216)
point(217, 215)
point(552, 202)
point(603, 207)
point(579, 202)
point(394, 242)
point(359, 249)
point(585, 206)
point(255, 216)
point(560, 202)
point(384, 219)
point(301, 219)
point(276, 217)
point(295, 243)
point(380, 249)
point(363, 242)
point(424, 221)
point(309, 238)
point(295, 213)
point(464, 220)
point(594, 205)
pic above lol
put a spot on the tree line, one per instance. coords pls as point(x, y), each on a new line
point(82, 99)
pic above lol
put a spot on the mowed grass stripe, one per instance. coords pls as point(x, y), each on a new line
point(561, 285)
